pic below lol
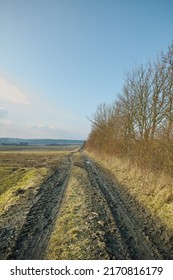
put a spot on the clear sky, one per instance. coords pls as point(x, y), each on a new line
point(59, 59)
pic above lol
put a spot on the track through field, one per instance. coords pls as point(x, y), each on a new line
point(127, 229)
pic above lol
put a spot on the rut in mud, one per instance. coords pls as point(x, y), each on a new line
point(125, 227)
point(134, 233)
point(34, 235)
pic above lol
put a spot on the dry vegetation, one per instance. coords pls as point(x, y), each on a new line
point(133, 137)
point(33, 182)
point(74, 236)
point(154, 191)
point(24, 171)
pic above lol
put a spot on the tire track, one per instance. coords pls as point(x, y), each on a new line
point(128, 230)
point(34, 235)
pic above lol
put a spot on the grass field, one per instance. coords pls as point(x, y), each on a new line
point(84, 219)
point(37, 148)
point(23, 168)
point(22, 172)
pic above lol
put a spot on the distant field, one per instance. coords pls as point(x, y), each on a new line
point(30, 159)
point(37, 148)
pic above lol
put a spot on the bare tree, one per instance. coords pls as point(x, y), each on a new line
point(168, 62)
point(132, 125)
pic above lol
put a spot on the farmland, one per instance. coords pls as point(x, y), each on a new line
point(57, 201)
point(22, 174)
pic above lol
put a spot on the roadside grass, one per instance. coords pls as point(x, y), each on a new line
point(24, 171)
point(154, 190)
point(9, 176)
point(73, 237)
point(27, 180)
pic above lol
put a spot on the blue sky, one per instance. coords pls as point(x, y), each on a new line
point(59, 59)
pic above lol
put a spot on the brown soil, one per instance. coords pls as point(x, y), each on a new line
point(26, 227)
point(127, 229)
point(130, 231)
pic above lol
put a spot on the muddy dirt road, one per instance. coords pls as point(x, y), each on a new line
point(31, 241)
point(134, 233)
point(128, 230)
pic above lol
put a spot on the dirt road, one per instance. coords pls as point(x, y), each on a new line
point(134, 233)
point(128, 230)
point(31, 241)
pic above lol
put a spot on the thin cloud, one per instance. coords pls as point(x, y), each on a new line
point(3, 112)
point(10, 128)
point(11, 93)
point(49, 131)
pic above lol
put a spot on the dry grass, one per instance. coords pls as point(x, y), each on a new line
point(24, 171)
point(154, 190)
point(31, 179)
point(73, 236)
point(32, 158)
point(155, 155)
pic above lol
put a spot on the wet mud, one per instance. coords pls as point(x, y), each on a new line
point(134, 232)
point(31, 241)
point(127, 229)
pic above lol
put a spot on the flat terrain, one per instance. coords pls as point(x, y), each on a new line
point(56, 203)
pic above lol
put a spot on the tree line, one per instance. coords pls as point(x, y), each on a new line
point(139, 123)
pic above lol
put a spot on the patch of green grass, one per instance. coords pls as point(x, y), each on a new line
point(31, 178)
point(22, 170)
point(10, 176)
